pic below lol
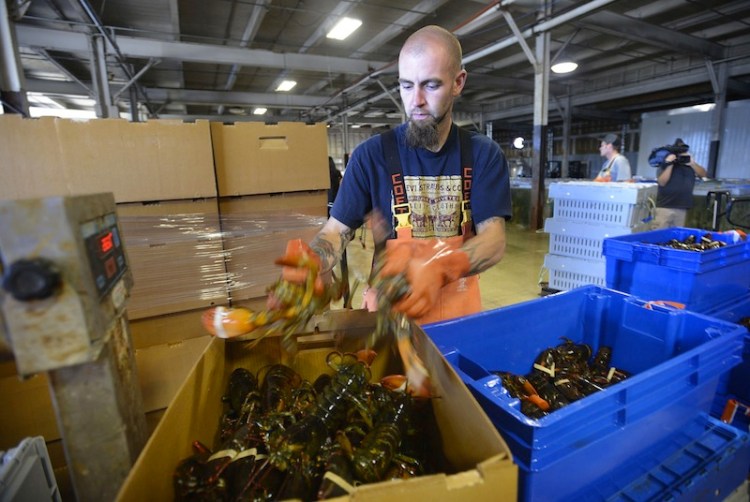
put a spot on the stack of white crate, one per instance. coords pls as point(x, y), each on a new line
point(584, 214)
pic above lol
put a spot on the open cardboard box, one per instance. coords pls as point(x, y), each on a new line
point(480, 465)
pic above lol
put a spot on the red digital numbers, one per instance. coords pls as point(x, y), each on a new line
point(106, 243)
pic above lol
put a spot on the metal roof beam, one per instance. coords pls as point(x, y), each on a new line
point(61, 40)
point(191, 97)
point(636, 30)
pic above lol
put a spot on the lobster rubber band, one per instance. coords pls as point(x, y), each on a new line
point(339, 481)
point(549, 371)
point(611, 373)
point(218, 325)
point(223, 453)
point(562, 381)
point(250, 452)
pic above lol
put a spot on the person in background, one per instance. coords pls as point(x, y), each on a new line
point(616, 166)
point(676, 179)
point(442, 194)
point(335, 176)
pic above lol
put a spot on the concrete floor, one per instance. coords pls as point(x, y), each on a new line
point(515, 279)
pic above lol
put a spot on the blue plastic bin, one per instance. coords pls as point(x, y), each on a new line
point(738, 380)
point(637, 265)
point(705, 460)
point(675, 357)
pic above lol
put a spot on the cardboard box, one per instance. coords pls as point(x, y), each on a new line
point(167, 329)
point(27, 403)
point(137, 161)
point(480, 465)
point(256, 158)
point(176, 254)
point(256, 229)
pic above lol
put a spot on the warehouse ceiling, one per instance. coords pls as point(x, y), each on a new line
point(222, 59)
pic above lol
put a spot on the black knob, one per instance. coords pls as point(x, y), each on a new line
point(34, 279)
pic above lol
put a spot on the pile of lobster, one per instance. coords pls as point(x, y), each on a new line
point(284, 437)
point(691, 243)
point(561, 375)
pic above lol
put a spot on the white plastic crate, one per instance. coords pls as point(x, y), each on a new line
point(625, 204)
point(583, 240)
point(569, 273)
point(26, 473)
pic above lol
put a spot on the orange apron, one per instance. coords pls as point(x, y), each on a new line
point(460, 297)
point(457, 299)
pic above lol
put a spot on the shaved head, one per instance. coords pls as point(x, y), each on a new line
point(431, 37)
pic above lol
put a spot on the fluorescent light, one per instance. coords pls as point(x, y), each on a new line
point(564, 67)
point(518, 143)
point(36, 111)
point(260, 111)
point(344, 28)
point(286, 85)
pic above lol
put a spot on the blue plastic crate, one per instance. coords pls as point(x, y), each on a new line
point(675, 357)
point(637, 265)
point(705, 460)
point(738, 380)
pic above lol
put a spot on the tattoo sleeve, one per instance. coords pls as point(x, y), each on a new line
point(330, 252)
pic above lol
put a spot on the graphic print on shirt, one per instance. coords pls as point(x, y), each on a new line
point(435, 204)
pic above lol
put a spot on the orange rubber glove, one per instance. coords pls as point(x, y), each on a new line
point(428, 264)
point(299, 261)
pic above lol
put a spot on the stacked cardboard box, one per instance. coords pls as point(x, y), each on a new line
point(165, 177)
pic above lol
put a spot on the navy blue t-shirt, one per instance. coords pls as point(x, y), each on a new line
point(678, 192)
point(433, 184)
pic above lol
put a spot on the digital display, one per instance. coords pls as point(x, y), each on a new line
point(106, 243)
point(105, 253)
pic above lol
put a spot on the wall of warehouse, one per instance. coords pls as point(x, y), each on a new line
point(693, 125)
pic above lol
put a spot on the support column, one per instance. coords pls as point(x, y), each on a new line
point(12, 81)
point(719, 82)
point(100, 77)
point(539, 142)
point(567, 119)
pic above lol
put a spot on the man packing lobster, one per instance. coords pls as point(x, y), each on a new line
point(428, 178)
point(441, 194)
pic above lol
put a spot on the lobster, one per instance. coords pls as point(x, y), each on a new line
point(374, 455)
point(292, 303)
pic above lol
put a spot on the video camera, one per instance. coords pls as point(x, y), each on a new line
point(659, 154)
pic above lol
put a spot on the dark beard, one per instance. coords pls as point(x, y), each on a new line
point(423, 134)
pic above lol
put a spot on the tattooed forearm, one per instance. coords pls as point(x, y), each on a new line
point(488, 247)
point(326, 251)
point(329, 250)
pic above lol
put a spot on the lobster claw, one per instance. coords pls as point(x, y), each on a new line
point(299, 261)
point(366, 356)
point(298, 254)
point(226, 322)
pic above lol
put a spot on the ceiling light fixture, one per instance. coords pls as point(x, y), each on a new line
point(344, 28)
point(286, 85)
point(519, 143)
point(260, 111)
point(564, 67)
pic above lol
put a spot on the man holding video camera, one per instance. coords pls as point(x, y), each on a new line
point(676, 172)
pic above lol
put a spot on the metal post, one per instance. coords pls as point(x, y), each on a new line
point(99, 76)
point(719, 83)
point(99, 411)
point(539, 142)
point(11, 72)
